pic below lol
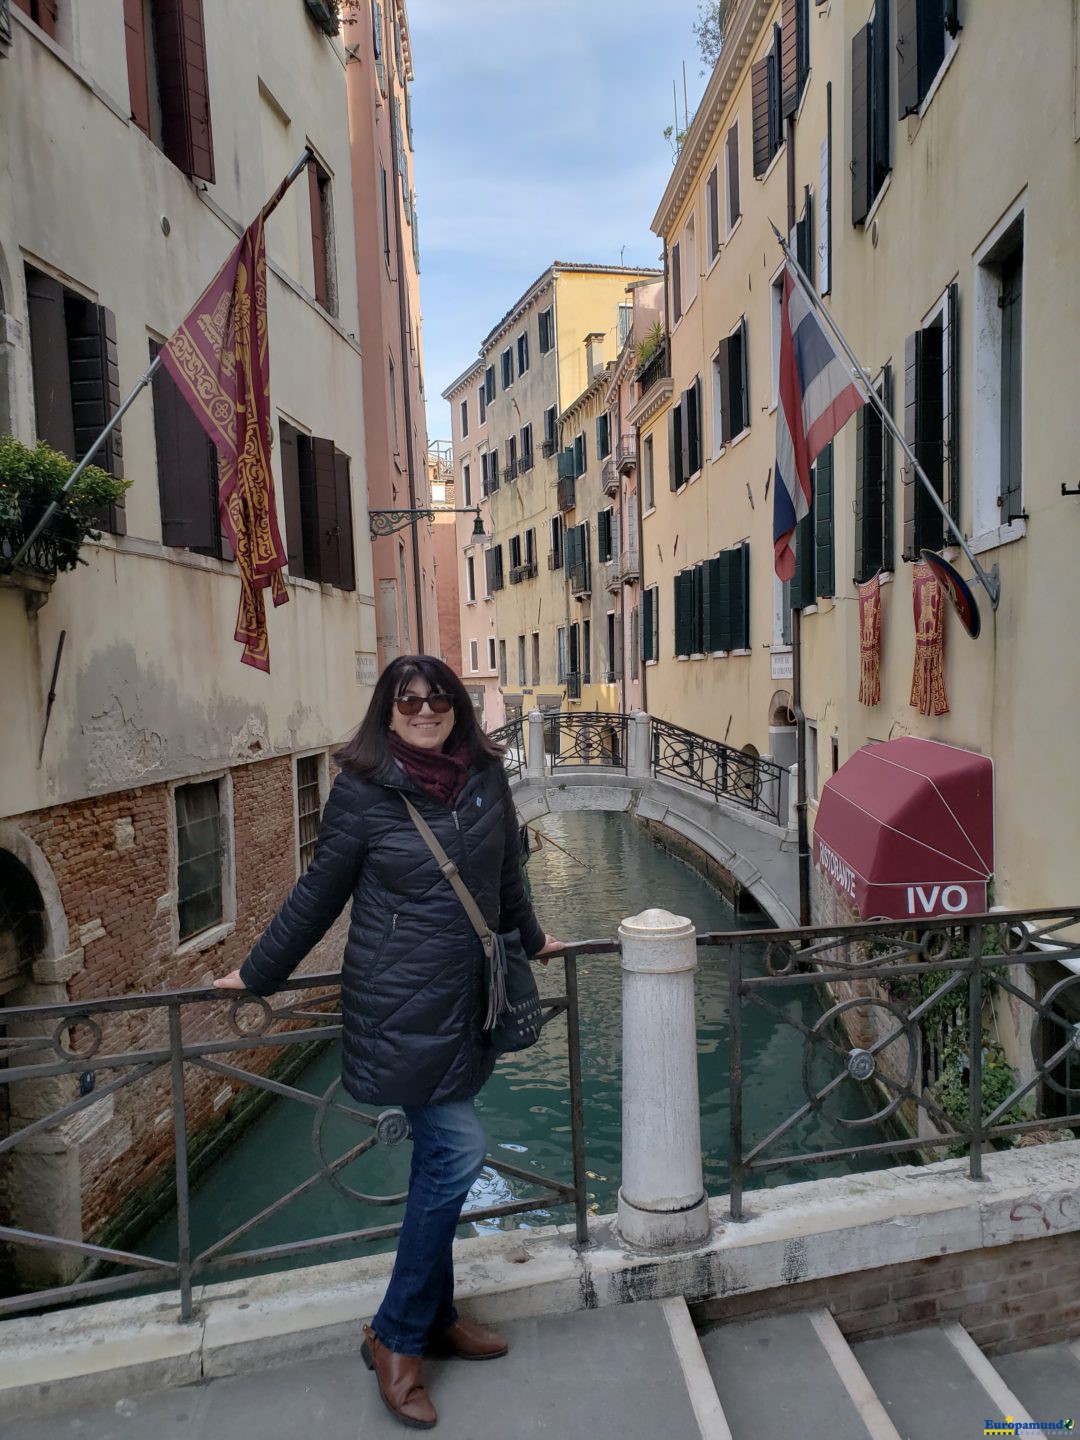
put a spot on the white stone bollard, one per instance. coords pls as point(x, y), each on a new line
point(534, 765)
point(640, 742)
point(662, 1200)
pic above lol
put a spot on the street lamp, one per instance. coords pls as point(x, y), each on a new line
point(385, 522)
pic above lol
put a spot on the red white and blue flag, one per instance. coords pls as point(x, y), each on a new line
point(817, 396)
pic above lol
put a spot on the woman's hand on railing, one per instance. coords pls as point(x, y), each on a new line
point(231, 981)
point(551, 947)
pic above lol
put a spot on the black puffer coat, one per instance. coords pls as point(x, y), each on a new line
point(412, 980)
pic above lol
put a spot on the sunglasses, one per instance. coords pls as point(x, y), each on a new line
point(413, 704)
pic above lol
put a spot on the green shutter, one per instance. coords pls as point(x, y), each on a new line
point(648, 601)
point(684, 602)
point(950, 429)
point(603, 535)
point(566, 463)
point(740, 596)
point(697, 609)
point(824, 548)
point(802, 582)
point(721, 602)
point(710, 606)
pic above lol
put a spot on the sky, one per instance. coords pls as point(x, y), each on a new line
point(539, 129)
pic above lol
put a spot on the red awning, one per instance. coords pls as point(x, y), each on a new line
point(905, 829)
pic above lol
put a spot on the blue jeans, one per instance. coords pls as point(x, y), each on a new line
point(449, 1147)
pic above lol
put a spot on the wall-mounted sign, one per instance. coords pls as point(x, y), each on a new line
point(783, 667)
point(367, 667)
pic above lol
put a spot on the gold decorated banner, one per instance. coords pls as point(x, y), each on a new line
point(928, 681)
point(870, 641)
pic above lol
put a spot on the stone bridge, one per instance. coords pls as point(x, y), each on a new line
point(734, 807)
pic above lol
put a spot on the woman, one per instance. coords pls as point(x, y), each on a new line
point(412, 980)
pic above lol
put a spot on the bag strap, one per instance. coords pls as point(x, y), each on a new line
point(450, 870)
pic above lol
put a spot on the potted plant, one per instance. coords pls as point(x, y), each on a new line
point(326, 14)
point(30, 479)
point(647, 347)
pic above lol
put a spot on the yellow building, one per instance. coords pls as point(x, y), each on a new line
point(930, 182)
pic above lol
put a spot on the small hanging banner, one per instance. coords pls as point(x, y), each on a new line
point(928, 681)
point(870, 641)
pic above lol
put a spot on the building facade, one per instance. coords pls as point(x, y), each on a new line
point(157, 797)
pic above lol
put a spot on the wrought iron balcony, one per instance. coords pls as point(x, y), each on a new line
point(612, 576)
point(626, 454)
point(511, 470)
point(555, 560)
point(609, 478)
point(526, 463)
point(548, 448)
point(573, 685)
point(565, 493)
point(657, 367)
point(629, 565)
point(522, 572)
point(580, 577)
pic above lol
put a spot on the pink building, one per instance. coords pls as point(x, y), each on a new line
point(445, 538)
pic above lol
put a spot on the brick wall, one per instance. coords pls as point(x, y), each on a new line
point(1009, 1297)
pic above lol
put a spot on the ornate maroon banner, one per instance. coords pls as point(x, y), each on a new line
point(220, 360)
point(928, 680)
point(870, 641)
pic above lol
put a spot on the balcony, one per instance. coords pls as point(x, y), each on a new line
point(626, 454)
point(549, 448)
point(526, 463)
point(523, 572)
point(612, 576)
point(511, 470)
point(629, 565)
point(609, 478)
point(656, 368)
point(580, 577)
point(554, 560)
point(565, 495)
point(573, 685)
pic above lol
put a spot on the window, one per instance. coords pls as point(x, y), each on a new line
point(626, 323)
point(926, 33)
point(308, 806)
point(530, 549)
point(187, 471)
point(464, 418)
point(604, 549)
point(523, 678)
point(481, 403)
point(200, 857)
point(560, 654)
point(491, 653)
point(322, 236)
point(586, 651)
point(493, 558)
point(511, 457)
point(997, 469)
point(870, 61)
point(874, 486)
point(795, 53)
point(648, 477)
point(526, 448)
point(581, 456)
point(815, 567)
point(932, 425)
point(377, 43)
point(765, 89)
point(523, 352)
point(650, 625)
point(804, 235)
point(578, 560)
point(317, 503)
point(731, 176)
point(712, 214)
point(546, 324)
point(676, 284)
point(733, 366)
point(502, 662)
point(689, 612)
point(536, 657)
point(474, 656)
point(489, 383)
point(555, 558)
point(684, 436)
point(551, 439)
point(168, 86)
point(466, 483)
point(603, 435)
point(724, 591)
point(42, 12)
point(76, 376)
point(385, 211)
point(515, 553)
point(470, 581)
point(689, 263)
point(507, 368)
point(635, 642)
point(392, 373)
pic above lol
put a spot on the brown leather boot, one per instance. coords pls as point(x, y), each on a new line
point(400, 1385)
point(465, 1340)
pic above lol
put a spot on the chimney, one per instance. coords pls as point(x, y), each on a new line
point(594, 353)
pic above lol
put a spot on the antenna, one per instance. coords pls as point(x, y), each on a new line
point(685, 105)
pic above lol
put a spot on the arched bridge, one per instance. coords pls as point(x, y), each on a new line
point(733, 806)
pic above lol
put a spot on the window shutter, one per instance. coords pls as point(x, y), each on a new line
point(95, 393)
point(1012, 506)
point(489, 569)
point(802, 582)
point(603, 535)
point(862, 495)
point(697, 610)
point(886, 471)
point(732, 147)
point(930, 426)
point(790, 58)
point(318, 235)
point(138, 83)
point(739, 382)
point(290, 496)
point(346, 565)
point(685, 470)
point(804, 236)
point(824, 547)
point(187, 479)
point(647, 603)
point(740, 597)
point(860, 124)
point(710, 606)
point(712, 205)
point(180, 42)
point(759, 89)
point(693, 428)
point(721, 602)
point(675, 446)
point(879, 100)
point(326, 516)
point(950, 425)
point(49, 362)
point(723, 367)
point(907, 52)
point(676, 283)
point(684, 601)
point(912, 362)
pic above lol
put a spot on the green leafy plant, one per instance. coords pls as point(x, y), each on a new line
point(952, 1089)
point(30, 479)
point(648, 345)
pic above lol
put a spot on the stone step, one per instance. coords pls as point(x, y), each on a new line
point(1046, 1380)
point(792, 1374)
point(631, 1371)
point(937, 1382)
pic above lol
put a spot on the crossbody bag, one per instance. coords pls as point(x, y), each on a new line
point(512, 1018)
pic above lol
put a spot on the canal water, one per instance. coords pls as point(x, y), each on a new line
point(608, 867)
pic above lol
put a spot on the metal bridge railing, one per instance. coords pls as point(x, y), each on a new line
point(720, 769)
point(593, 737)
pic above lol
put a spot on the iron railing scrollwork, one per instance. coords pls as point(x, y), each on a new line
point(513, 737)
point(655, 368)
point(591, 738)
point(720, 769)
point(626, 453)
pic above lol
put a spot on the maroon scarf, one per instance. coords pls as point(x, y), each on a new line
point(441, 773)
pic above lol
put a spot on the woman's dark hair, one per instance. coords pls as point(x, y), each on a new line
point(369, 749)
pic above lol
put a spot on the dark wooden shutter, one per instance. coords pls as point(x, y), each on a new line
point(824, 545)
point(740, 597)
point(737, 394)
point(723, 377)
point(138, 82)
point(789, 58)
point(318, 234)
point(290, 496)
point(880, 117)
point(489, 569)
point(697, 610)
point(720, 606)
point(862, 495)
point(712, 205)
point(732, 148)
point(952, 17)
point(646, 632)
point(907, 53)
point(1012, 507)
point(95, 392)
point(326, 516)
point(860, 124)
point(759, 89)
point(693, 427)
point(187, 477)
point(49, 362)
point(802, 582)
point(183, 85)
point(950, 420)
point(913, 504)
point(603, 535)
point(804, 236)
point(676, 283)
point(710, 607)
point(887, 478)
point(346, 563)
point(684, 624)
point(675, 446)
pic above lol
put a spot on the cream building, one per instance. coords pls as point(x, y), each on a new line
point(931, 183)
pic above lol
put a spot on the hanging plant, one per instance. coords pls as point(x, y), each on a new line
point(30, 479)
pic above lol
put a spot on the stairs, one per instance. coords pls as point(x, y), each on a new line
point(637, 1372)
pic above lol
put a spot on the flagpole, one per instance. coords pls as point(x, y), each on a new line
point(988, 580)
point(268, 209)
